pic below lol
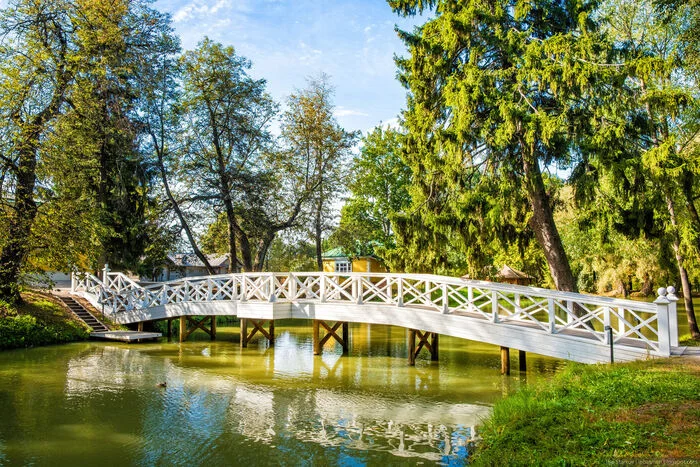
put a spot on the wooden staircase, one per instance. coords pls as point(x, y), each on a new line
point(85, 316)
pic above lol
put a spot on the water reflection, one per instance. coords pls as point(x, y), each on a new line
point(223, 404)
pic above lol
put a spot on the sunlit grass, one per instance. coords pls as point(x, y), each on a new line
point(588, 415)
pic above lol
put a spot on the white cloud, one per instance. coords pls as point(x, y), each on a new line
point(198, 8)
point(341, 111)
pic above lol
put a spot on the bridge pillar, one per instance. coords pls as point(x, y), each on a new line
point(522, 360)
point(505, 361)
point(189, 324)
point(423, 337)
point(331, 331)
point(258, 326)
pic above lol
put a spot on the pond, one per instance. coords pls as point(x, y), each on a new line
point(104, 403)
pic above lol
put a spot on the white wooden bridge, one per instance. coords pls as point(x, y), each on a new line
point(570, 326)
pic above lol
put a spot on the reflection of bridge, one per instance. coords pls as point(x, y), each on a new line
point(571, 326)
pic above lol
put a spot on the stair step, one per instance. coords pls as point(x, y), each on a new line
point(84, 315)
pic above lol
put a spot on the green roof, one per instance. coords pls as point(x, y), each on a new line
point(334, 253)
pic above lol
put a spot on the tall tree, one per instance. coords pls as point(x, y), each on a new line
point(159, 81)
point(378, 185)
point(34, 78)
point(495, 89)
point(662, 100)
point(226, 116)
point(321, 146)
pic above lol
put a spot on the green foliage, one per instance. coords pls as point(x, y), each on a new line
point(38, 322)
point(586, 416)
point(291, 255)
point(319, 147)
point(495, 92)
point(378, 184)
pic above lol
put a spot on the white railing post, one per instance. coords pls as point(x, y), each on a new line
point(445, 299)
point(271, 295)
point(186, 295)
point(494, 306)
point(399, 299)
point(292, 286)
point(570, 311)
point(552, 316)
point(357, 282)
point(244, 287)
point(606, 324)
point(621, 321)
point(105, 276)
point(672, 315)
point(470, 297)
point(322, 280)
point(72, 282)
point(662, 319)
point(518, 308)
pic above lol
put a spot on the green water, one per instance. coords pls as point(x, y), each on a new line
point(101, 404)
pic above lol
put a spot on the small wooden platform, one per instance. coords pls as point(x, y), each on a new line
point(126, 336)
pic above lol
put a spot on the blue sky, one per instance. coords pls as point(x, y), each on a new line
point(288, 40)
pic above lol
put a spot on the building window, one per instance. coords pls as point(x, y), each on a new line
point(343, 266)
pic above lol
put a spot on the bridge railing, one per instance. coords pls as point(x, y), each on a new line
point(627, 322)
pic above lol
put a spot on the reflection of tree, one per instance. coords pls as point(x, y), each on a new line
point(201, 412)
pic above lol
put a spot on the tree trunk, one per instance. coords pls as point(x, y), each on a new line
point(318, 231)
point(231, 224)
point(263, 247)
point(15, 250)
point(542, 222)
point(687, 187)
point(246, 253)
point(181, 217)
point(685, 282)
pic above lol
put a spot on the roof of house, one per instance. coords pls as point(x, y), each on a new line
point(191, 260)
point(507, 272)
point(336, 252)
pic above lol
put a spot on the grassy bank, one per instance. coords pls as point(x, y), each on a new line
point(38, 321)
point(599, 415)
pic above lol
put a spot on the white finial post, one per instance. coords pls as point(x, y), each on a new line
point(105, 276)
point(662, 306)
point(672, 315)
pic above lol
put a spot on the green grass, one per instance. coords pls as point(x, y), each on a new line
point(596, 415)
point(37, 321)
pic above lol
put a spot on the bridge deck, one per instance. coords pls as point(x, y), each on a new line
point(557, 324)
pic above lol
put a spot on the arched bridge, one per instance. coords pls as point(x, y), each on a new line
point(562, 325)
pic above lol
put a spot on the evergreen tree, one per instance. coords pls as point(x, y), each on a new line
point(496, 92)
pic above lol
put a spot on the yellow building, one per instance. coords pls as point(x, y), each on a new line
point(336, 260)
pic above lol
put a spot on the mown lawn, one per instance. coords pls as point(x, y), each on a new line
point(642, 412)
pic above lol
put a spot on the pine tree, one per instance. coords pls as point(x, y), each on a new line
point(497, 91)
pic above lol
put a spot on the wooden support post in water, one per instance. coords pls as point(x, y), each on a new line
point(170, 329)
point(189, 324)
point(522, 361)
point(139, 326)
point(331, 331)
point(183, 328)
point(244, 332)
point(505, 361)
point(317, 348)
point(434, 345)
point(213, 328)
point(346, 334)
point(258, 326)
point(429, 340)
